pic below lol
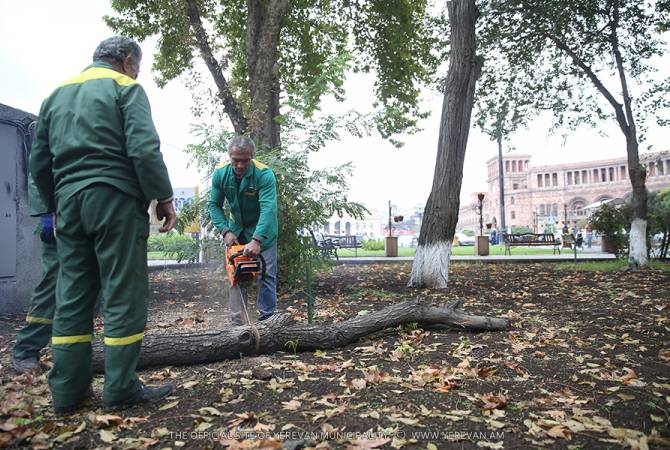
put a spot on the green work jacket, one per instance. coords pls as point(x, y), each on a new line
point(97, 128)
point(252, 202)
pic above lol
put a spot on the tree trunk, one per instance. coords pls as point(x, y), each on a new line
point(264, 24)
point(280, 333)
point(637, 248)
point(431, 262)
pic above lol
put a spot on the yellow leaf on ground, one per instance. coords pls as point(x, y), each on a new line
point(107, 436)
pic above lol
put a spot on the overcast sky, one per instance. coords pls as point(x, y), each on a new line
point(44, 42)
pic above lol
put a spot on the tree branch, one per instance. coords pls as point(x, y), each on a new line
point(618, 110)
point(230, 105)
point(614, 40)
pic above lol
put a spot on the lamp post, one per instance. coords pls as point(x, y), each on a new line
point(480, 196)
point(482, 242)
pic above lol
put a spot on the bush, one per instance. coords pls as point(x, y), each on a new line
point(177, 246)
point(521, 229)
point(612, 223)
point(372, 244)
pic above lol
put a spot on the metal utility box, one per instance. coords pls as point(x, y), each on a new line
point(20, 265)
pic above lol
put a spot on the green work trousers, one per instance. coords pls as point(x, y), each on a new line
point(102, 245)
point(35, 335)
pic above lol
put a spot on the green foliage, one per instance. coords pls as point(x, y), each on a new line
point(468, 233)
point(613, 222)
point(521, 229)
point(320, 41)
point(304, 197)
point(177, 246)
point(528, 45)
point(372, 244)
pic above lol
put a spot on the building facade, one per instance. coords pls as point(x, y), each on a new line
point(546, 196)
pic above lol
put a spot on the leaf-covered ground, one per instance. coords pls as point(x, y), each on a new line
point(586, 365)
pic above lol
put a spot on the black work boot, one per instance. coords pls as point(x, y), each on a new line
point(73, 408)
point(30, 364)
point(144, 395)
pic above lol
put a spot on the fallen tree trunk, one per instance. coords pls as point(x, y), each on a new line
point(281, 333)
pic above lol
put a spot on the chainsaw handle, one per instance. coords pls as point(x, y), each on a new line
point(232, 257)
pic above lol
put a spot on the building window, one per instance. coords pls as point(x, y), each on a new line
point(515, 186)
point(611, 173)
point(326, 228)
point(506, 166)
point(595, 176)
point(603, 175)
point(585, 177)
point(543, 211)
point(667, 166)
point(547, 182)
point(511, 200)
point(539, 180)
point(576, 177)
point(659, 166)
point(513, 215)
point(554, 210)
point(623, 172)
point(569, 178)
point(554, 179)
point(525, 164)
point(513, 166)
point(652, 169)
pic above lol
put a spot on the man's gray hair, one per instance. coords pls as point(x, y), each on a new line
point(116, 48)
point(242, 142)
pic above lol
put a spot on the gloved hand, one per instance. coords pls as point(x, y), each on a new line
point(47, 234)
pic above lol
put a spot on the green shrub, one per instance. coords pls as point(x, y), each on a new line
point(177, 246)
point(373, 244)
point(521, 229)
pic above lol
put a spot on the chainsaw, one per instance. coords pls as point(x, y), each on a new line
point(242, 269)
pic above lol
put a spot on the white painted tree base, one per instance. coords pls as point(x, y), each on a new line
point(638, 241)
point(431, 266)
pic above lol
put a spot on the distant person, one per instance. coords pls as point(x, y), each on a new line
point(96, 162)
point(250, 189)
point(589, 235)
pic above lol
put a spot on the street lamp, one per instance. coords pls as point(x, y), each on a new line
point(480, 196)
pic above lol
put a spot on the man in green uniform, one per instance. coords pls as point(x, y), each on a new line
point(250, 189)
point(96, 161)
point(35, 335)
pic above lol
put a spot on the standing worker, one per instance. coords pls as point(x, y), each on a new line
point(35, 335)
point(250, 189)
point(96, 161)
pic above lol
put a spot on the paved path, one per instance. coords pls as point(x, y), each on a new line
point(493, 258)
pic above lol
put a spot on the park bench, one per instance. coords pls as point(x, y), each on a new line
point(325, 245)
point(345, 242)
point(529, 240)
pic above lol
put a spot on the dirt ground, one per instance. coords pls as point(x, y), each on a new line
point(586, 364)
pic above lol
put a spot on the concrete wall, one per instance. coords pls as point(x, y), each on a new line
point(15, 290)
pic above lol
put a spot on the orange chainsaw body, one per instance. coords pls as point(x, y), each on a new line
point(241, 268)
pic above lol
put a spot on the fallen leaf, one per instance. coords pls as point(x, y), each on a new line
point(169, 405)
point(107, 436)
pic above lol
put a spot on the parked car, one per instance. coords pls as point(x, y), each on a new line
point(462, 239)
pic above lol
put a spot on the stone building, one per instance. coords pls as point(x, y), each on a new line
point(542, 196)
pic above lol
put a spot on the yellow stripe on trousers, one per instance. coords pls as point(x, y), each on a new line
point(124, 340)
point(56, 340)
point(35, 319)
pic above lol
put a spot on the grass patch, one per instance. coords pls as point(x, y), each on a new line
point(456, 251)
point(612, 265)
point(157, 256)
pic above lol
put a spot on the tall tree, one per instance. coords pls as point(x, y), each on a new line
point(593, 60)
point(431, 263)
point(269, 56)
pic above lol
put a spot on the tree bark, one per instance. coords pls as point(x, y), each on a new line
point(281, 333)
point(431, 262)
point(264, 24)
point(230, 105)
